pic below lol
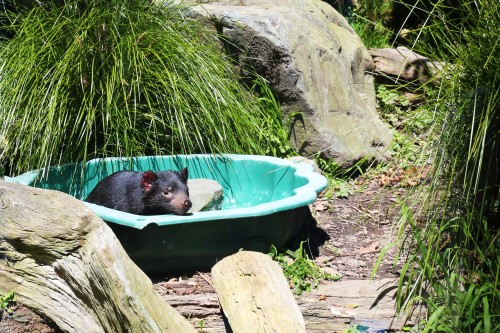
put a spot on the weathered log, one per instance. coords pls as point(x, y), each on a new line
point(202, 310)
point(402, 63)
point(64, 262)
point(369, 303)
point(333, 307)
point(255, 295)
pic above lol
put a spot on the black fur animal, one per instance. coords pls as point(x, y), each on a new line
point(144, 193)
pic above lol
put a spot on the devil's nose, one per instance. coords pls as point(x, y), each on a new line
point(187, 204)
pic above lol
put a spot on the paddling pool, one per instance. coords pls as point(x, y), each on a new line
point(264, 202)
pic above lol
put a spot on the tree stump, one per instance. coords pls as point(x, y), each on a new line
point(65, 263)
point(255, 295)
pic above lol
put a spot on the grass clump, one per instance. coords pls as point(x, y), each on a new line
point(273, 130)
point(449, 232)
point(6, 303)
point(302, 272)
point(370, 20)
point(85, 79)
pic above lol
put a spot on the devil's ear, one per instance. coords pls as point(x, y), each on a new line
point(184, 175)
point(148, 178)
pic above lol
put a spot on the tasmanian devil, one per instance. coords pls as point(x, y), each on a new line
point(144, 193)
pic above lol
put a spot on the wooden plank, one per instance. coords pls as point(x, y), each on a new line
point(404, 63)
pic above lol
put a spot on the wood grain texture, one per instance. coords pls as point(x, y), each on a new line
point(332, 307)
point(402, 63)
point(64, 262)
point(255, 295)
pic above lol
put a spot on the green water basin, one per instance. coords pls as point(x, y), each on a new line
point(264, 202)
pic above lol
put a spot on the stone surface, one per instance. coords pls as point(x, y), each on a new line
point(205, 194)
point(332, 307)
point(316, 65)
point(302, 159)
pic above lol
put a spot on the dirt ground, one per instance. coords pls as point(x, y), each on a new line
point(23, 320)
point(346, 236)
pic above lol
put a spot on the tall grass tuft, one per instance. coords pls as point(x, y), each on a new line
point(83, 79)
point(450, 232)
point(370, 20)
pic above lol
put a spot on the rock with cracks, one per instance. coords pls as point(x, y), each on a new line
point(317, 66)
point(65, 263)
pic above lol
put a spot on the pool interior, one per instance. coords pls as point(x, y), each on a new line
point(245, 182)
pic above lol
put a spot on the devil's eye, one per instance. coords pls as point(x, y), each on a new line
point(167, 191)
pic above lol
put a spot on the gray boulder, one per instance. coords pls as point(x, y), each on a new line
point(301, 159)
point(205, 194)
point(317, 66)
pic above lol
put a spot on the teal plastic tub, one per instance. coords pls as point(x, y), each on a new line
point(264, 201)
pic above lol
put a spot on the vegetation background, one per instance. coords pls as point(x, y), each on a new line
point(84, 79)
point(449, 229)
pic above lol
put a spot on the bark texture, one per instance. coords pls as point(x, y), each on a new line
point(255, 295)
point(403, 64)
point(64, 262)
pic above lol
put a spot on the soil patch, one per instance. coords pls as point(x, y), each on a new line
point(24, 320)
point(357, 229)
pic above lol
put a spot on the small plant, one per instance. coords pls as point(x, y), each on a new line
point(332, 169)
point(328, 167)
point(339, 177)
point(201, 325)
point(6, 302)
point(355, 329)
point(338, 188)
point(405, 150)
point(401, 112)
point(302, 272)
